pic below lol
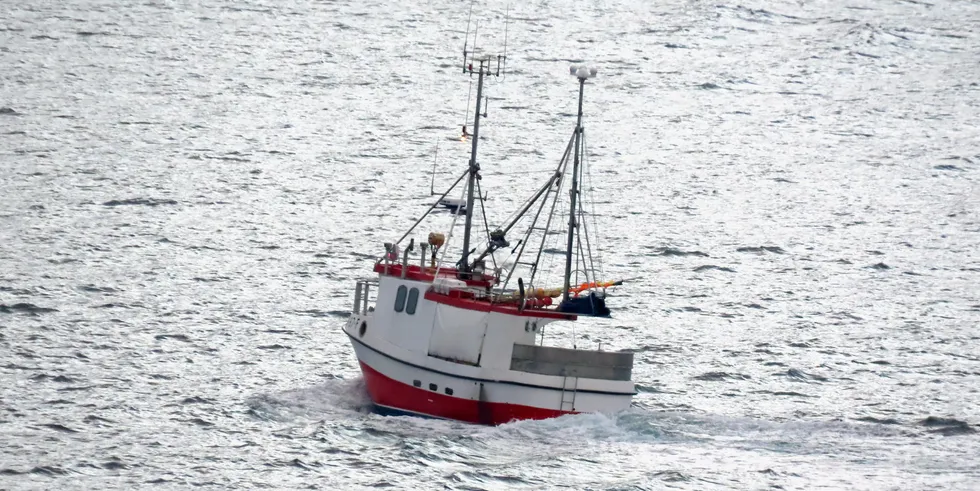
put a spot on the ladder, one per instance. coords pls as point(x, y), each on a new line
point(568, 394)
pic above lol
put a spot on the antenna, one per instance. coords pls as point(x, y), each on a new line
point(482, 70)
point(506, 22)
point(466, 40)
point(432, 185)
point(476, 34)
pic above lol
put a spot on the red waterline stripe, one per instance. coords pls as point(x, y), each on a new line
point(394, 394)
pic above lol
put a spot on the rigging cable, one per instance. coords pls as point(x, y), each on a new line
point(562, 167)
point(486, 226)
point(449, 237)
point(550, 259)
point(588, 263)
point(595, 223)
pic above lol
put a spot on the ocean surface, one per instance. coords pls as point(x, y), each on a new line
point(189, 191)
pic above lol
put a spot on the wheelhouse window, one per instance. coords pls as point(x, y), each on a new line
point(413, 300)
point(400, 298)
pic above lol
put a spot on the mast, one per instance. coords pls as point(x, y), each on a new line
point(582, 73)
point(483, 70)
point(474, 170)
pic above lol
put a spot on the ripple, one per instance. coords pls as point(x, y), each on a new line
point(795, 374)
point(188, 196)
point(49, 470)
point(761, 249)
point(717, 376)
point(785, 393)
point(881, 421)
point(97, 420)
point(669, 251)
point(25, 308)
point(176, 337)
point(273, 347)
point(140, 202)
point(196, 400)
point(58, 427)
point(947, 426)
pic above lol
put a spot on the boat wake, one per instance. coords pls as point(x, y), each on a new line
point(528, 451)
point(341, 399)
point(332, 399)
point(640, 425)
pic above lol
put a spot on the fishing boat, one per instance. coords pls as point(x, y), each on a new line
point(448, 333)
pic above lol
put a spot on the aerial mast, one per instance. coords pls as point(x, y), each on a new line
point(482, 67)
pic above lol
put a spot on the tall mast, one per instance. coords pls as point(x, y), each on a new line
point(582, 73)
point(483, 70)
point(474, 170)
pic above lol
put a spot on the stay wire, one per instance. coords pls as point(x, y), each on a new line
point(486, 225)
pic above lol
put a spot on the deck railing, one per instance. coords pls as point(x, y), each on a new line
point(362, 297)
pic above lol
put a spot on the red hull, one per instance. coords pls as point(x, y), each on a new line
point(391, 394)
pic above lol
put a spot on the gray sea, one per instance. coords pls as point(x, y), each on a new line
point(189, 190)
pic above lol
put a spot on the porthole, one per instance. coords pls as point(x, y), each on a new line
point(417, 383)
point(400, 298)
point(449, 391)
point(413, 300)
point(433, 387)
point(362, 329)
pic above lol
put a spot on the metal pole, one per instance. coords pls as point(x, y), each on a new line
point(574, 193)
point(367, 298)
point(357, 298)
point(474, 170)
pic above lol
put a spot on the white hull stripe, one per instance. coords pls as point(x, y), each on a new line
point(507, 382)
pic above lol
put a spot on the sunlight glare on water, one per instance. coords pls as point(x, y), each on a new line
point(189, 192)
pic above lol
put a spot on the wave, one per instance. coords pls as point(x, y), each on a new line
point(670, 251)
point(717, 376)
point(761, 249)
point(947, 426)
point(796, 374)
point(139, 201)
point(24, 308)
point(338, 396)
point(657, 426)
